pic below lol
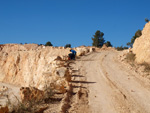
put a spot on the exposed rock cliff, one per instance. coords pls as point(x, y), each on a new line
point(141, 46)
point(33, 65)
point(25, 64)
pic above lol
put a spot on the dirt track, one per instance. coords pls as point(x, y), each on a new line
point(111, 86)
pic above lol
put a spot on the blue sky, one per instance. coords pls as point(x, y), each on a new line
point(71, 21)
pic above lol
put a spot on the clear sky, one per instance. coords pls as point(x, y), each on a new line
point(71, 21)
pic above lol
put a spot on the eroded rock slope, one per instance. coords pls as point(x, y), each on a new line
point(141, 46)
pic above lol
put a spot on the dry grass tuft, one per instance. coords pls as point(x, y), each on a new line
point(130, 57)
point(146, 66)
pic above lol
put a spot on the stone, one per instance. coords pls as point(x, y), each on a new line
point(92, 49)
point(61, 71)
point(31, 94)
point(82, 51)
point(3, 88)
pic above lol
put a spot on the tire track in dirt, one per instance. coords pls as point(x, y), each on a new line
point(132, 103)
point(113, 94)
point(113, 88)
point(123, 103)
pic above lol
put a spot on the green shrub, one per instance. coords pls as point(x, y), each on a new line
point(146, 20)
point(108, 44)
point(68, 46)
point(121, 48)
point(48, 43)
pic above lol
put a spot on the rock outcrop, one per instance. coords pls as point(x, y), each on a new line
point(36, 66)
point(141, 46)
point(38, 71)
point(26, 64)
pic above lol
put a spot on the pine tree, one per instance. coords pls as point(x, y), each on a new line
point(98, 40)
point(137, 34)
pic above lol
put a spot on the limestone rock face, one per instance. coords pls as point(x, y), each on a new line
point(141, 46)
point(31, 65)
point(18, 47)
point(56, 78)
point(25, 64)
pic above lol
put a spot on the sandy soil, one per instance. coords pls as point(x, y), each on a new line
point(112, 87)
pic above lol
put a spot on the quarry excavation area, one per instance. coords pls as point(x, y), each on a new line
point(42, 79)
point(103, 84)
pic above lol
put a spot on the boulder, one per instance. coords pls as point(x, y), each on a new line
point(61, 72)
point(92, 49)
point(57, 79)
point(29, 94)
point(82, 51)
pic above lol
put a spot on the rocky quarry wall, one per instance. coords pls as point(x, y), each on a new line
point(36, 66)
point(141, 46)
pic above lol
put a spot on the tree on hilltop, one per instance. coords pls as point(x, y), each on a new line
point(98, 40)
point(68, 46)
point(146, 20)
point(137, 34)
point(48, 43)
point(108, 44)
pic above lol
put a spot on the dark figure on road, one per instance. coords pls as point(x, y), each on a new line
point(73, 54)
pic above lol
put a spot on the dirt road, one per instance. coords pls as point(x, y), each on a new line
point(112, 87)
